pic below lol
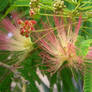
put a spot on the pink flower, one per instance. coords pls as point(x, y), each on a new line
point(11, 39)
point(60, 47)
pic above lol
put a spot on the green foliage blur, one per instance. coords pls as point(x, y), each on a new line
point(72, 80)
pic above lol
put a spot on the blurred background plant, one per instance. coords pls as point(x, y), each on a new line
point(26, 77)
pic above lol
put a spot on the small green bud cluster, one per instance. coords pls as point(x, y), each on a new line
point(34, 7)
point(58, 6)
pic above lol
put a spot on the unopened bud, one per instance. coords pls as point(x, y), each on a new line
point(19, 21)
point(33, 21)
point(32, 28)
point(31, 12)
point(26, 22)
point(27, 35)
point(26, 27)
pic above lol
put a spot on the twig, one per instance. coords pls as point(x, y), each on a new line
point(5, 65)
point(14, 70)
point(24, 84)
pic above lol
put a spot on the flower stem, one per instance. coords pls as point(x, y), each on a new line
point(24, 85)
point(5, 65)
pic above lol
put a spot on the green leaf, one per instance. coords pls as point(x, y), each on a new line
point(88, 78)
point(16, 3)
point(87, 26)
point(3, 4)
point(29, 71)
point(52, 81)
point(5, 80)
point(69, 5)
point(47, 3)
point(7, 12)
point(67, 82)
point(83, 46)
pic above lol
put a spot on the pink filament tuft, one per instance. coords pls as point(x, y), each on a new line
point(78, 26)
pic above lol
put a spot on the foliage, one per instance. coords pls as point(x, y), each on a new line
point(65, 79)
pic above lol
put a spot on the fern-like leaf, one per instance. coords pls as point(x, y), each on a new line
point(88, 78)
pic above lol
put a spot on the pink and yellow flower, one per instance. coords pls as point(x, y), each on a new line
point(12, 40)
point(60, 47)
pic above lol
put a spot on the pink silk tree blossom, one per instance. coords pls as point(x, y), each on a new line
point(11, 39)
point(60, 47)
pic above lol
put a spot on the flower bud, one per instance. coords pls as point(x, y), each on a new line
point(26, 22)
point(33, 21)
point(26, 35)
point(19, 21)
point(31, 12)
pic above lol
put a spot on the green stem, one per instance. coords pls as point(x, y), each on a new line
point(84, 3)
point(86, 8)
point(76, 7)
point(24, 85)
point(45, 6)
point(5, 65)
point(43, 14)
point(21, 5)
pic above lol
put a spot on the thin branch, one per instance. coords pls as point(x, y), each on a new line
point(5, 65)
point(24, 84)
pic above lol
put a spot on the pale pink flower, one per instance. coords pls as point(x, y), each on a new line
point(60, 47)
point(11, 39)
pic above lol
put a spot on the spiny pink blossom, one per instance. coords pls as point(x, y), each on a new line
point(11, 39)
point(60, 47)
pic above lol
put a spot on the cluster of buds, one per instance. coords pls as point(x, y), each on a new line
point(26, 27)
point(58, 6)
point(34, 7)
